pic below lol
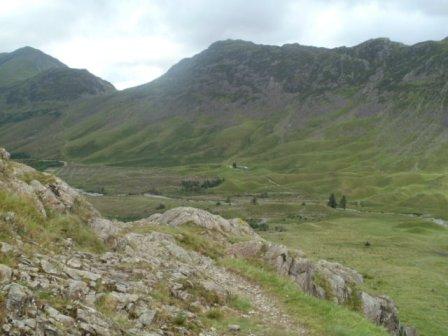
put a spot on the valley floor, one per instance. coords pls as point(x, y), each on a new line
point(402, 255)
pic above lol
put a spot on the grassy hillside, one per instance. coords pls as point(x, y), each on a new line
point(24, 63)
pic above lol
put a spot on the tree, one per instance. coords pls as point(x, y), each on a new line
point(332, 201)
point(234, 165)
point(228, 200)
point(343, 202)
point(254, 200)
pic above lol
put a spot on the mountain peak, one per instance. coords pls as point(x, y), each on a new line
point(378, 42)
point(27, 49)
point(25, 63)
point(231, 43)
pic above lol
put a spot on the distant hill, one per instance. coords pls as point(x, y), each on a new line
point(25, 63)
point(35, 90)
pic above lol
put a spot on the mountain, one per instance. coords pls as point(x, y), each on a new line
point(240, 99)
point(66, 269)
point(35, 89)
point(24, 63)
point(344, 117)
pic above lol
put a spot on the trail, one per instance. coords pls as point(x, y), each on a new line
point(264, 306)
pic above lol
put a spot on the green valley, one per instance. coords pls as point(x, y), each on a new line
point(266, 134)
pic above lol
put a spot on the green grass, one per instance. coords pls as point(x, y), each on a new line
point(407, 259)
point(33, 226)
point(319, 316)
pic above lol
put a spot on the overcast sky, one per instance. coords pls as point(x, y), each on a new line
point(130, 42)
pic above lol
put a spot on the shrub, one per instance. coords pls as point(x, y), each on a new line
point(214, 314)
point(257, 224)
point(195, 185)
point(180, 319)
point(161, 206)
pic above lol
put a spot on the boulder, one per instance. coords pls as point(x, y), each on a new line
point(147, 317)
point(17, 299)
point(4, 155)
point(234, 328)
point(183, 215)
point(104, 228)
point(381, 310)
point(249, 249)
point(5, 274)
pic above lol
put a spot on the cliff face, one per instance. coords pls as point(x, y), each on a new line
point(65, 270)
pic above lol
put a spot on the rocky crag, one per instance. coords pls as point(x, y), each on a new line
point(65, 270)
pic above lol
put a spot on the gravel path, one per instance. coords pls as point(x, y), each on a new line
point(265, 307)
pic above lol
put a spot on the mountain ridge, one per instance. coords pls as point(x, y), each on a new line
point(373, 108)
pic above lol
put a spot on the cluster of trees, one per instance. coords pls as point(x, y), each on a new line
point(197, 185)
point(334, 204)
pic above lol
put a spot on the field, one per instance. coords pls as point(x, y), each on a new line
point(408, 255)
point(407, 259)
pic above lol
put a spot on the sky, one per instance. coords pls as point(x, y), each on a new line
point(131, 42)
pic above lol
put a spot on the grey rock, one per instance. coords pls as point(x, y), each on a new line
point(5, 274)
point(61, 318)
point(408, 331)
point(202, 218)
point(17, 298)
point(8, 217)
point(147, 317)
point(4, 155)
point(48, 267)
point(77, 289)
point(74, 263)
point(6, 248)
point(234, 328)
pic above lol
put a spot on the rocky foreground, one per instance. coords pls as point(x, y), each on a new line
point(65, 270)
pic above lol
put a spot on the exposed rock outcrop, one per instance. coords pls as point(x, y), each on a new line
point(183, 215)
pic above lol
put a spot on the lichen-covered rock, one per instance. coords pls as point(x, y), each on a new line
point(382, 311)
point(5, 274)
point(17, 299)
point(4, 155)
point(248, 249)
point(204, 219)
point(105, 228)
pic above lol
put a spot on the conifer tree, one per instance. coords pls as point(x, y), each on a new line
point(332, 201)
